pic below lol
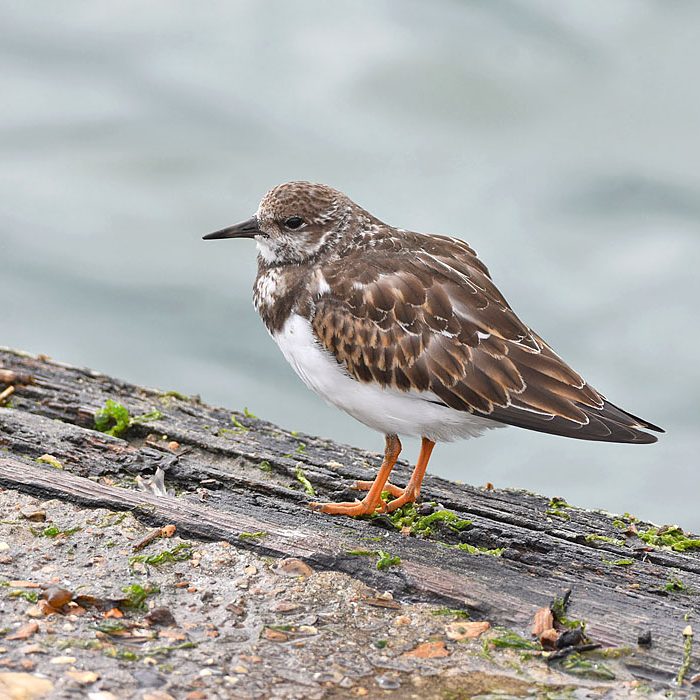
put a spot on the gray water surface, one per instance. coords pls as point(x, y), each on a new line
point(559, 138)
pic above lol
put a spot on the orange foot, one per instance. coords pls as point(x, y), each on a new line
point(363, 507)
point(401, 496)
point(408, 495)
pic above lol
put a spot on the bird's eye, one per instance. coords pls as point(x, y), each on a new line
point(293, 222)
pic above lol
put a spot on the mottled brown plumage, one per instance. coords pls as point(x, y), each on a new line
point(416, 315)
point(424, 315)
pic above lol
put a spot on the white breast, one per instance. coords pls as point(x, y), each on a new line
point(387, 410)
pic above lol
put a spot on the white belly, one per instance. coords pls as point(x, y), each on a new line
point(387, 410)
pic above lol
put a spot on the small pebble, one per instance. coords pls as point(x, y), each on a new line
point(83, 677)
point(569, 638)
point(157, 695)
point(161, 616)
point(35, 516)
point(644, 638)
point(386, 683)
point(62, 660)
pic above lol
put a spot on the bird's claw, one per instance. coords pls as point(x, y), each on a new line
point(354, 508)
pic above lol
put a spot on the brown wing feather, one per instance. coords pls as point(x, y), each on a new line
point(426, 316)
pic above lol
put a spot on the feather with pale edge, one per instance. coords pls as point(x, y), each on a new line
point(422, 314)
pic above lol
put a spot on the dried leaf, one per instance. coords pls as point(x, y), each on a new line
point(428, 650)
point(57, 597)
point(543, 621)
point(457, 631)
point(25, 631)
point(294, 567)
point(274, 635)
point(549, 638)
point(174, 635)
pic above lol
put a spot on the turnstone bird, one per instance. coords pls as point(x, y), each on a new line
point(408, 334)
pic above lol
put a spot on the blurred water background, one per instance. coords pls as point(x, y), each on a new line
point(560, 138)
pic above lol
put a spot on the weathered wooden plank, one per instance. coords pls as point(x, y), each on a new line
point(222, 491)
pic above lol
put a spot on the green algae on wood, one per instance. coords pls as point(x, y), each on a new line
point(556, 508)
point(670, 536)
point(114, 418)
point(181, 552)
point(301, 478)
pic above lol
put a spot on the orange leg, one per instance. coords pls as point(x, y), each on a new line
point(373, 499)
point(411, 492)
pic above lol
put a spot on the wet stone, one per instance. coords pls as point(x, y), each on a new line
point(148, 678)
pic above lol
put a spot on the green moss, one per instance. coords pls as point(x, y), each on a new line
point(114, 419)
point(558, 608)
point(112, 627)
point(556, 508)
point(422, 525)
point(50, 459)
point(121, 654)
point(53, 531)
point(452, 612)
point(301, 478)
point(163, 650)
point(670, 536)
point(675, 585)
point(29, 596)
point(618, 562)
point(238, 425)
point(380, 643)
point(252, 535)
point(687, 656)
point(265, 466)
point(603, 538)
point(301, 448)
point(137, 595)
point(471, 549)
point(578, 665)
point(181, 552)
point(384, 559)
point(511, 640)
point(387, 560)
point(248, 414)
point(407, 517)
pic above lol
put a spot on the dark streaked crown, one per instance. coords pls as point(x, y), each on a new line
point(300, 219)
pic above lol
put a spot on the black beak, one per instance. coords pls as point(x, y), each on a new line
point(246, 229)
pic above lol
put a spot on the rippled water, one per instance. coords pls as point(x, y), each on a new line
point(559, 138)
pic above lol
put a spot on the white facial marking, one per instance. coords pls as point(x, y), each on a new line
point(266, 252)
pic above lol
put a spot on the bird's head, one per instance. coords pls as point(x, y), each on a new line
point(295, 222)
